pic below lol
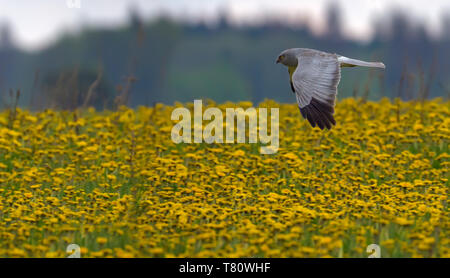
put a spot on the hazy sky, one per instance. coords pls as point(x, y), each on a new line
point(37, 22)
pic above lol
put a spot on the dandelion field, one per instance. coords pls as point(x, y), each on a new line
point(114, 183)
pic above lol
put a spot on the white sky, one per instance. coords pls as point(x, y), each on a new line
point(35, 23)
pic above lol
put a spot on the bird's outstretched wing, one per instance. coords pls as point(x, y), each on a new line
point(315, 82)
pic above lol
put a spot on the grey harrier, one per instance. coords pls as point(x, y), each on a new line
point(314, 77)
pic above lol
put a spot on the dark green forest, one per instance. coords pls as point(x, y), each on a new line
point(161, 60)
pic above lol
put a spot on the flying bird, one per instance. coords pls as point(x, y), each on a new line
point(314, 76)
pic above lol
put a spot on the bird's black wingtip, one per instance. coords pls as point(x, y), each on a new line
point(319, 113)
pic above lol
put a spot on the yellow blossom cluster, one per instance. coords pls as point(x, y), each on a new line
point(115, 184)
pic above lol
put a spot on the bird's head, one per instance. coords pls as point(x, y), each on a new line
point(287, 58)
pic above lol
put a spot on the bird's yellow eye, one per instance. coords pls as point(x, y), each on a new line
point(281, 57)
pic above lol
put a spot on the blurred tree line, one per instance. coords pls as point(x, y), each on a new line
point(165, 61)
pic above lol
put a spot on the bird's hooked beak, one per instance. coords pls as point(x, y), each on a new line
point(278, 60)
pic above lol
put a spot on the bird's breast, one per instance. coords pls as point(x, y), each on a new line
point(291, 71)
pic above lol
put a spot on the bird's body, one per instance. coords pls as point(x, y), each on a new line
point(314, 76)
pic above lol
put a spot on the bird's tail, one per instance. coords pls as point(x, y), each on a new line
point(347, 62)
